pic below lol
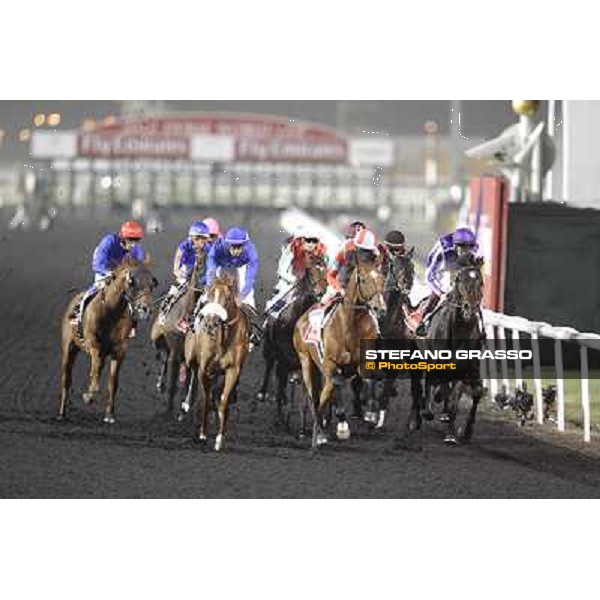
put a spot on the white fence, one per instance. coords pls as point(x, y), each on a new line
point(500, 328)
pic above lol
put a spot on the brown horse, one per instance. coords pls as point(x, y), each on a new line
point(278, 349)
point(107, 323)
point(169, 339)
point(355, 318)
point(215, 353)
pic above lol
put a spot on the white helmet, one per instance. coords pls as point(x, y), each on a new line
point(298, 231)
point(365, 239)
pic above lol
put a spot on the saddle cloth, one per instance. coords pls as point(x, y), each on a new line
point(318, 317)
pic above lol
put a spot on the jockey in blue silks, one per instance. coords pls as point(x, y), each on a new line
point(190, 251)
point(441, 262)
point(109, 253)
point(236, 252)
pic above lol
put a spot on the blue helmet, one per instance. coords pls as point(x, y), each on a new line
point(463, 235)
point(198, 228)
point(236, 236)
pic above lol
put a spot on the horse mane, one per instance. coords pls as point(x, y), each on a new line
point(128, 263)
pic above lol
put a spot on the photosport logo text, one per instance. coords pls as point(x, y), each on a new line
point(447, 358)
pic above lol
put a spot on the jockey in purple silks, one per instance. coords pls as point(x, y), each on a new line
point(440, 262)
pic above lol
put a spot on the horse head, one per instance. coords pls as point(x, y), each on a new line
point(468, 287)
point(138, 284)
point(366, 285)
point(315, 276)
point(221, 303)
point(402, 269)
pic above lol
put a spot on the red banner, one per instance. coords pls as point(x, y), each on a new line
point(257, 138)
point(488, 217)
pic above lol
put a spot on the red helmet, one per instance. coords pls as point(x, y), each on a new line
point(131, 230)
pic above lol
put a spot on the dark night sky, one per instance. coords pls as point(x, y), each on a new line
point(479, 118)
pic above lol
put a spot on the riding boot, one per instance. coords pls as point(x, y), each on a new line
point(256, 330)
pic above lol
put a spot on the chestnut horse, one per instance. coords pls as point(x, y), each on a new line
point(107, 323)
point(355, 318)
point(215, 353)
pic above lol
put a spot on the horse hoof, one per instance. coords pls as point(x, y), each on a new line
point(381, 420)
point(160, 387)
point(110, 419)
point(185, 407)
point(301, 434)
point(60, 418)
point(427, 414)
point(89, 397)
point(181, 417)
point(444, 418)
point(414, 425)
point(370, 417)
point(262, 396)
point(450, 439)
point(343, 431)
point(219, 443)
point(321, 439)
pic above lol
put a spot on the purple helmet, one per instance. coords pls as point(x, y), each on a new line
point(463, 235)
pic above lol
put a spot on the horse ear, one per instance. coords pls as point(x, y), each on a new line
point(154, 282)
point(479, 261)
point(410, 253)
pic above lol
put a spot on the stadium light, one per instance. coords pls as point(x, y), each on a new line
point(39, 119)
point(24, 135)
point(54, 119)
point(88, 124)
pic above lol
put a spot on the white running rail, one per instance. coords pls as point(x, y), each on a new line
point(499, 328)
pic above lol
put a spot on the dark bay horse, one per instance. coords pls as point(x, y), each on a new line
point(107, 323)
point(454, 326)
point(278, 349)
point(398, 285)
point(355, 318)
point(168, 339)
point(216, 352)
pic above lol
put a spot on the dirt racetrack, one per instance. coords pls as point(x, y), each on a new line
point(145, 455)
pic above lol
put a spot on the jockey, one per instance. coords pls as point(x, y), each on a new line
point(362, 247)
point(194, 248)
point(214, 230)
point(441, 261)
point(236, 251)
point(353, 228)
point(302, 245)
point(109, 253)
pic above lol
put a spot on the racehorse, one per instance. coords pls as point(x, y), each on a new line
point(215, 353)
point(455, 325)
point(278, 349)
point(399, 282)
point(168, 339)
point(354, 318)
point(107, 323)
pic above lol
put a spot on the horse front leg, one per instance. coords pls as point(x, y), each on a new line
point(113, 384)
point(324, 404)
point(451, 412)
point(477, 394)
point(416, 393)
point(189, 394)
point(281, 374)
point(69, 353)
point(96, 364)
point(161, 361)
point(231, 377)
point(263, 392)
point(203, 401)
